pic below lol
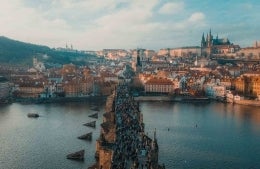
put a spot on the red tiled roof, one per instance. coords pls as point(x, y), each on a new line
point(159, 81)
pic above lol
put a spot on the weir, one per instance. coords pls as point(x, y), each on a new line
point(123, 143)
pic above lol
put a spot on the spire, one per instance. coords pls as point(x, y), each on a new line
point(203, 37)
point(203, 42)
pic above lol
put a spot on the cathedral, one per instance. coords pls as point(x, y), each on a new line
point(217, 47)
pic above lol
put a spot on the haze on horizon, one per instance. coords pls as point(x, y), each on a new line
point(151, 24)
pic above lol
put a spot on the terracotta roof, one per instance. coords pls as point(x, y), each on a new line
point(159, 81)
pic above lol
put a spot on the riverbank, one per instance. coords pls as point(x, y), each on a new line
point(184, 99)
point(59, 99)
point(153, 98)
point(248, 102)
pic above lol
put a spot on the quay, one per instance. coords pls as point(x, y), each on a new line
point(122, 143)
point(183, 99)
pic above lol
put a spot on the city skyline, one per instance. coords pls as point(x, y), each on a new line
point(153, 24)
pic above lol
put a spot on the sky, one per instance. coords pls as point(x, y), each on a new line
point(129, 24)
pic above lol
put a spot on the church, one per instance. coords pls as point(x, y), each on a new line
point(217, 47)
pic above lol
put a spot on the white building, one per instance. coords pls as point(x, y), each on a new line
point(215, 91)
point(38, 65)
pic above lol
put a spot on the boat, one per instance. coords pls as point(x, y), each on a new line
point(95, 115)
point(87, 136)
point(79, 155)
point(34, 115)
point(90, 124)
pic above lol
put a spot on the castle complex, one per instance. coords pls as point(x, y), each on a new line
point(213, 47)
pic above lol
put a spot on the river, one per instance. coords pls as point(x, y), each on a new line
point(212, 135)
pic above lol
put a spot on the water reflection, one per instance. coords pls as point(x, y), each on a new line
point(240, 113)
point(211, 135)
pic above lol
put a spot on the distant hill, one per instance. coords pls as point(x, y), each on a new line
point(16, 52)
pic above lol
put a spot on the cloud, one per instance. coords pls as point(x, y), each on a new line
point(247, 6)
point(171, 8)
point(127, 26)
point(98, 24)
point(197, 17)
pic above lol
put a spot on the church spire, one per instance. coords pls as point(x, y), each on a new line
point(203, 42)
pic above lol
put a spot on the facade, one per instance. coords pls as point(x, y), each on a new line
point(78, 87)
point(181, 52)
point(250, 52)
point(239, 85)
point(215, 47)
point(159, 85)
point(248, 85)
point(110, 77)
point(215, 91)
point(30, 90)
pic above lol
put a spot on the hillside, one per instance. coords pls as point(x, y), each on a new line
point(16, 52)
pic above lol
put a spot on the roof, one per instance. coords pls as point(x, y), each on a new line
point(159, 81)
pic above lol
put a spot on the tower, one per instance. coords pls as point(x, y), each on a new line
point(138, 58)
point(203, 42)
point(209, 39)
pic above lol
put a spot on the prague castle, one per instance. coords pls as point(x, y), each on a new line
point(214, 47)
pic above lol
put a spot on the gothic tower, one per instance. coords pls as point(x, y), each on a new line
point(203, 42)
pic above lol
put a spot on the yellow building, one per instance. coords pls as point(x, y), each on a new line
point(248, 85)
point(239, 84)
point(255, 86)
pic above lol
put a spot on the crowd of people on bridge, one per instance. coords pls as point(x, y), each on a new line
point(132, 148)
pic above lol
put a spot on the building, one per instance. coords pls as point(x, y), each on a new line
point(248, 85)
point(216, 47)
point(159, 85)
point(250, 52)
point(30, 90)
point(188, 51)
point(140, 59)
point(215, 91)
point(39, 66)
point(239, 84)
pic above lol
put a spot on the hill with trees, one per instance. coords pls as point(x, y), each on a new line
point(17, 52)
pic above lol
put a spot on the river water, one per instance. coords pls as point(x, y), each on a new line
point(212, 135)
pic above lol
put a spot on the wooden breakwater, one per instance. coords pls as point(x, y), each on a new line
point(123, 142)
